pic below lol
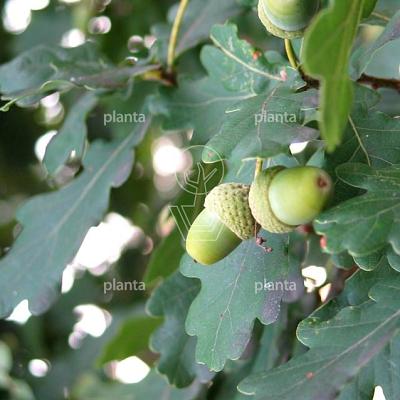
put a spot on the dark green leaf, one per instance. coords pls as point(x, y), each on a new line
point(376, 372)
point(152, 387)
point(246, 285)
point(55, 224)
point(343, 344)
point(171, 301)
point(265, 125)
point(363, 56)
point(169, 249)
point(71, 137)
point(371, 136)
point(132, 337)
point(42, 69)
point(199, 17)
point(383, 370)
point(238, 65)
point(369, 6)
point(366, 224)
point(198, 105)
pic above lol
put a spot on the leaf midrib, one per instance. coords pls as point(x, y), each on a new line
point(335, 359)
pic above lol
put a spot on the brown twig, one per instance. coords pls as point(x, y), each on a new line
point(377, 83)
point(372, 81)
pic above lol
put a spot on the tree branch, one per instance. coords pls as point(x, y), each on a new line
point(377, 83)
point(372, 81)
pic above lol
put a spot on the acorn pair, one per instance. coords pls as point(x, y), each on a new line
point(278, 200)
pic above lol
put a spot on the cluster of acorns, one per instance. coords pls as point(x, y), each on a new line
point(278, 200)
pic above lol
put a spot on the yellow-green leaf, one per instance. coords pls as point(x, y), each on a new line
point(327, 49)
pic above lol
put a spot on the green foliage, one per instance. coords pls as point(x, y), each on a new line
point(71, 137)
point(245, 326)
point(345, 343)
point(371, 137)
point(237, 64)
point(369, 6)
point(131, 339)
point(265, 137)
point(363, 56)
point(10, 387)
point(61, 220)
point(187, 106)
point(172, 300)
point(331, 37)
point(200, 17)
point(169, 249)
point(42, 69)
point(367, 224)
point(153, 387)
point(223, 314)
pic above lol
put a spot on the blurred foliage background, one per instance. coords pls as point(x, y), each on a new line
point(54, 356)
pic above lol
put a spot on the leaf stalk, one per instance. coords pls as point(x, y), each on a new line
point(174, 34)
point(291, 54)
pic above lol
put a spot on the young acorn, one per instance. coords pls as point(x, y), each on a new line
point(283, 198)
point(222, 225)
point(287, 19)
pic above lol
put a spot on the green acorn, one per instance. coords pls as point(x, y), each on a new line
point(222, 225)
point(282, 199)
point(287, 19)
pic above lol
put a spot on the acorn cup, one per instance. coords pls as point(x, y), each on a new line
point(283, 198)
point(287, 19)
point(224, 223)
